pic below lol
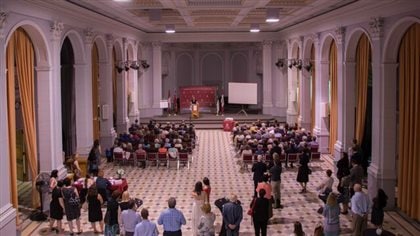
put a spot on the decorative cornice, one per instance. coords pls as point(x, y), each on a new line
point(340, 33)
point(316, 37)
point(109, 40)
point(3, 16)
point(145, 44)
point(88, 32)
point(156, 44)
point(267, 43)
point(376, 27)
point(56, 29)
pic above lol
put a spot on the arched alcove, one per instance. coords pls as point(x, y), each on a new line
point(211, 69)
point(184, 73)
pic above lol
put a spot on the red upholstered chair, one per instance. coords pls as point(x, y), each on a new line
point(183, 159)
point(141, 158)
point(131, 159)
point(151, 157)
point(119, 158)
point(163, 158)
point(282, 158)
point(293, 157)
point(268, 159)
point(247, 159)
point(314, 149)
point(315, 156)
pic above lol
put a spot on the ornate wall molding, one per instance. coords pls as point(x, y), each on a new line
point(109, 40)
point(376, 27)
point(156, 44)
point(267, 43)
point(56, 29)
point(88, 32)
point(340, 33)
point(3, 17)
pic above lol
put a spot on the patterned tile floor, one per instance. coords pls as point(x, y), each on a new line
point(214, 158)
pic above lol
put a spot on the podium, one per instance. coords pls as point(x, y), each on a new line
point(195, 113)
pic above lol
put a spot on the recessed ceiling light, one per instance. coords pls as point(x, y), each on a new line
point(170, 29)
point(272, 15)
point(255, 28)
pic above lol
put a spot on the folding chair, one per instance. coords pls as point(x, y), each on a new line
point(183, 158)
point(293, 157)
point(141, 158)
point(247, 159)
point(163, 158)
point(151, 157)
point(119, 158)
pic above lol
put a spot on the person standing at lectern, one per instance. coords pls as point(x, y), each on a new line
point(194, 108)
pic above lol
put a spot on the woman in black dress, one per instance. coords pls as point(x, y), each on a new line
point(94, 208)
point(260, 214)
point(71, 208)
point(379, 203)
point(112, 214)
point(56, 210)
point(303, 172)
point(343, 169)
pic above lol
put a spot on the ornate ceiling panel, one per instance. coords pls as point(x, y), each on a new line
point(206, 15)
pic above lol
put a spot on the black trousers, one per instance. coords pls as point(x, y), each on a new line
point(172, 233)
point(260, 226)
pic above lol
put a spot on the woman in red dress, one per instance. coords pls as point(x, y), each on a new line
point(206, 187)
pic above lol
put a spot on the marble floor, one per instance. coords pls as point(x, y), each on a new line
point(214, 158)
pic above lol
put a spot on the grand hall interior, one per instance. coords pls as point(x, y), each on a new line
point(153, 96)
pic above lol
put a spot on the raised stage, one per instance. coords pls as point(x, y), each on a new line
point(211, 121)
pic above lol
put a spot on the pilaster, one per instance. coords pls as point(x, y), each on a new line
point(304, 119)
point(157, 76)
point(292, 79)
point(339, 143)
point(267, 62)
point(382, 172)
point(7, 212)
point(122, 96)
point(105, 89)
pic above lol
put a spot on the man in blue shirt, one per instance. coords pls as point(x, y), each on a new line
point(146, 227)
point(360, 204)
point(232, 216)
point(172, 219)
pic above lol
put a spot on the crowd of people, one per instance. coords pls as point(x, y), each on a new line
point(260, 139)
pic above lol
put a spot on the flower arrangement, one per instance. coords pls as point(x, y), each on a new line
point(120, 173)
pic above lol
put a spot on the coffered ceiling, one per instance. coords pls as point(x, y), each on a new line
point(197, 16)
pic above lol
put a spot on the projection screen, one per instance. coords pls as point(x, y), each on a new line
point(243, 93)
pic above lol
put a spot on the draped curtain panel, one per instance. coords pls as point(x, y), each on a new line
point(95, 98)
point(24, 58)
point(11, 116)
point(333, 91)
point(362, 71)
point(409, 123)
point(313, 88)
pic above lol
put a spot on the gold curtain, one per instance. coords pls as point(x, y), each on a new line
point(24, 56)
point(95, 97)
point(313, 88)
point(362, 71)
point(11, 116)
point(409, 123)
point(333, 91)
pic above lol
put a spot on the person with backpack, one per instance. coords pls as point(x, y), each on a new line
point(71, 205)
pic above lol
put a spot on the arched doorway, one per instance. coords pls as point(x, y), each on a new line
point(68, 105)
point(22, 116)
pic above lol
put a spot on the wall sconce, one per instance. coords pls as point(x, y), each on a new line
point(280, 63)
point(308, 66)
point(134, 65)
point(299, 64)
point(144, 64)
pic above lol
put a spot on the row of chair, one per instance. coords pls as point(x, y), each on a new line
point(152, 158)
point(249, 159)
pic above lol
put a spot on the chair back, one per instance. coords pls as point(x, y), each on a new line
point(118, 157)
point(247, 158)
point(315, 156)
point(162, 156)
point(183, 157)
point(140, 157)
point(294, 157)
point(151, 156)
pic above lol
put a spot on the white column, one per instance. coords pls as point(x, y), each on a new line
point(83, 98)
point(7, 212)
point(339, 143)
point(122, 125)
point(321, 97)
point(267, 62)
point(304, 119)
point(382, 170)
point(157, 76)
point(105, 98)
point(292, 77)
point(51, 153)
point(132, 87)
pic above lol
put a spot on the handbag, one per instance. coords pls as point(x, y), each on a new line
point(251, 210)
point(73, 199)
